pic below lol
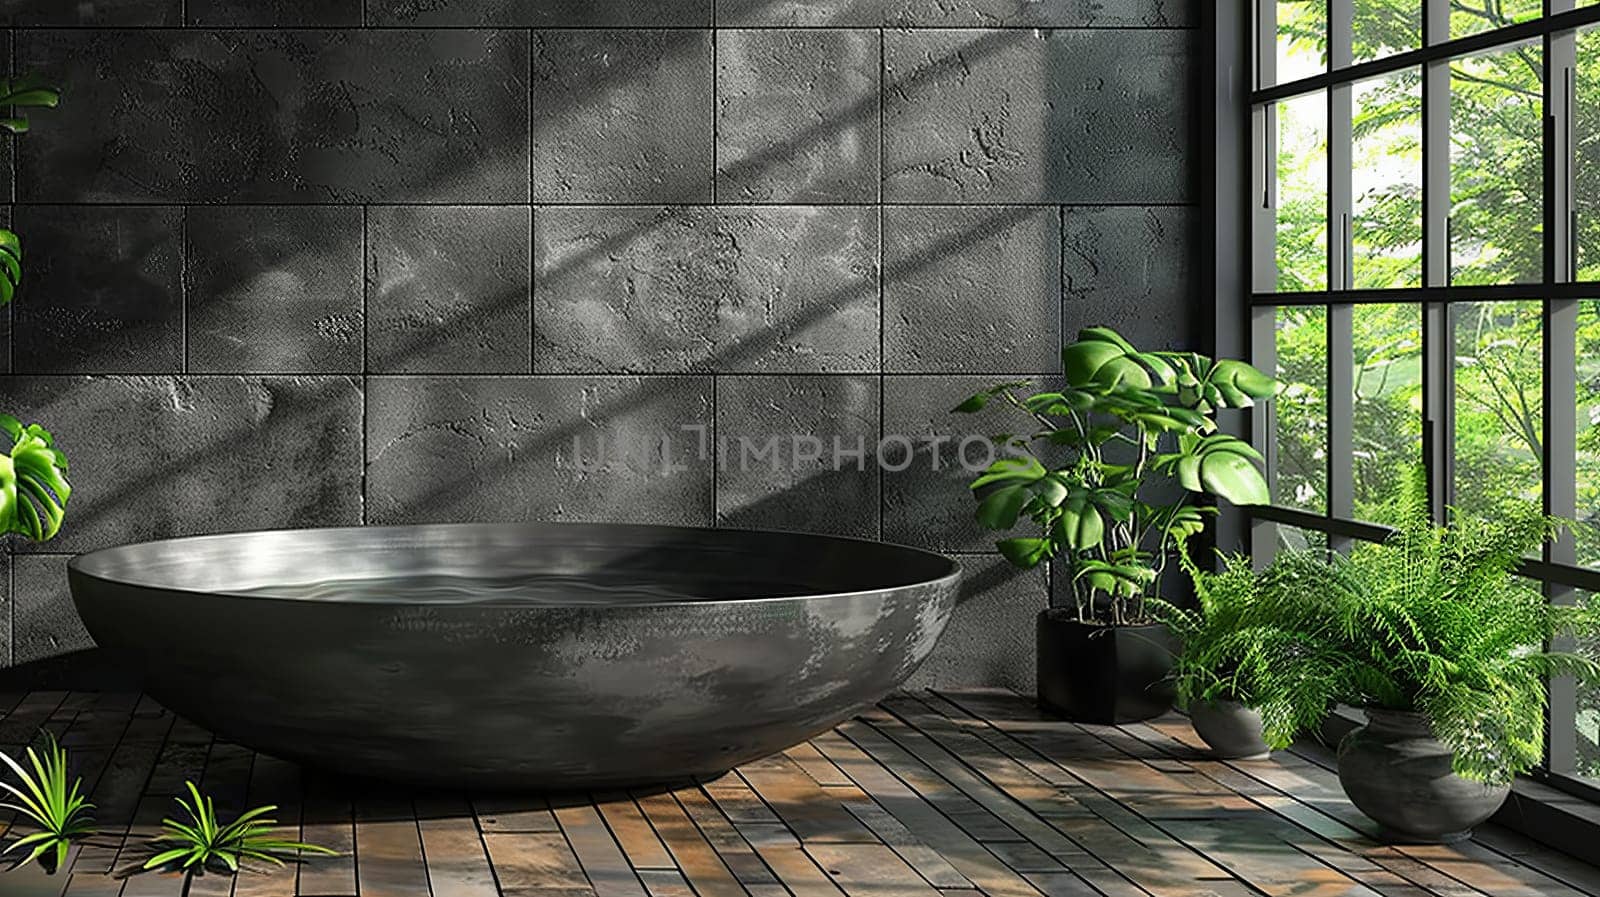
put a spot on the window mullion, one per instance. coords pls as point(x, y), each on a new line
point(1560, 322)
point(1438, 373)
point(1262, 538)
point(1263, 535)
point(1341, 340)
point(1560, 499)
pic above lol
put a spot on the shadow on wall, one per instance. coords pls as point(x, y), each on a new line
point(120, 313)
point(162, 456)
point(433, 500)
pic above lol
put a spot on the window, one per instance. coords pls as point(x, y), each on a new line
point(1426, 277)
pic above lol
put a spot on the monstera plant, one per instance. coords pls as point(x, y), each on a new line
point(1111, 480)
point(33, 482)
point(33, 472)
point(19, 94)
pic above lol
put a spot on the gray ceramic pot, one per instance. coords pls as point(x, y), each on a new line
point(1230, 729)
point(1397, 773)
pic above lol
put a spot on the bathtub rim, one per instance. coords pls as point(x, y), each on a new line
point(78, 566)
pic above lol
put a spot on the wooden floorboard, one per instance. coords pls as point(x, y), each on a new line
point(963, 794)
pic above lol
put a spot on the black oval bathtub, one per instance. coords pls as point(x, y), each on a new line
point(544, 657)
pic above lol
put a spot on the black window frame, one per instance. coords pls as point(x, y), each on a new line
point(1237, 178)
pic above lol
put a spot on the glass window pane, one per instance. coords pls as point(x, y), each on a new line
point(1300, 477)
point(1499, 404)
point(1497, 167)
point(1386, 181)
point(1586, 534)
point(1387, 373)
point(1588, 709)
point(1301, 238)
point(1302, 39)
point(1472, 16)
point(1384, 27)
point(1586, 167)
point(1294, 538)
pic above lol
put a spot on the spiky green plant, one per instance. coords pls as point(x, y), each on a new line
point(203, 842)
point(1433, 620)
point(45, 796)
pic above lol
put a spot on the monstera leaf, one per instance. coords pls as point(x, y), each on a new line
point(10, 265)
point(33, 482)
point(1206, 385)
point(1101, 357)
point(1222, 465)
point(21, 93)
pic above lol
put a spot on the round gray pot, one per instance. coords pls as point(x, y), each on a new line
point(1397, 773)
point(1230, 729)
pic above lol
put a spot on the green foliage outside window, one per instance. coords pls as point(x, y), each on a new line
point(1497, 221)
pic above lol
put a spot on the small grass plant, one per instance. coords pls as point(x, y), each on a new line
point(202, 842)
point(47, 796)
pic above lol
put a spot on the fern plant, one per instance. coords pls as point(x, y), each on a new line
point(46, 796)
point(1213, 631)
point(203, 842)
point(1433, 620)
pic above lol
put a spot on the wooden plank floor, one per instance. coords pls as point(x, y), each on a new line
point(958, 794)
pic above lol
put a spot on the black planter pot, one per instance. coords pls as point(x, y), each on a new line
point(1104, 674)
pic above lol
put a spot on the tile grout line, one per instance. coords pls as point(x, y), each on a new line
point(533, 291)
point(883, 89)
point(533, 239)
point(716, 95)
point(366, 382)
point(621, 374)
point(183, 290)
point(11, 213)
point(716, 460)
point(549, 204)
point(309, 27)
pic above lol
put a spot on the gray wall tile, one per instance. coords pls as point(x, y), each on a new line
point(1043, 13)
point(928, 504)
point(274, 289)
point(44, 622)
point(280, 116)
point(800, 13)
point(538, 448)
point(104, 289)
point(768, 221)
point(622, 116)
point(971, 289)
point(7, 609)
point(797, 115)
point(1129, 268)
point(154, 457)
point(1065, 116)
point(990, 638)
point(8, 140)
point(449, 289)
point(777, 465)
point(10, 309)
point(105, 14)
point(542, 13)
point(790, 289)
point(272, 13)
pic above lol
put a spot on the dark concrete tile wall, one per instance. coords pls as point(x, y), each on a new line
point(306, 262)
